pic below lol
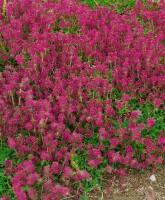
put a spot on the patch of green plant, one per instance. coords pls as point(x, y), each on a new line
point(125, 123)
point(163, 42)
point(43, 163)
point(26, 29)
point(157, 128)
point(73, 29)
point(94, 140)
point(4, 48)
point(59, 49)
point(136, 146)
point(27, 57)
point(56, 26)
point(148, 111)
point(2, 65)
point(110, 77)
point(85, 58)
point(115, 94)
point(84, 197)
point(26, 133)
point(90, 185)
point(96, 181)
point(134, 103)
point(71, 127)
point(106, 142)
point(124, 110)
point(104, 163)
point(95, 173)
point(93, 94)
point(119, 4)
point(81, 159)
point(5, 186)
point(115, 124)
point(13, 62)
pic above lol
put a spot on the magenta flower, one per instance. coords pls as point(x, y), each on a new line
point(135, 114)
point(161, 140)
point(121, 172)
point(150, 122)
point(5, 197)
point(158, 160)
point(109, 169)
point(82, 175)
point(32, 193)
point(68, 172)
point(96, 153)
point(20, 59)
point(30, 179)
point(8, 163)
point(93, 163)
point(28, 166)
point(136, 133)
point(141, 126)
point(12, 143)
point(17, 185)
point(119, 104)
point(126, 97)
point(45, 156)
point(55, 168)
point(21, 195)
point(114, 142)
point(157, 102)
point(129, 149)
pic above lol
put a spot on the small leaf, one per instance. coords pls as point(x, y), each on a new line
point(25, 188)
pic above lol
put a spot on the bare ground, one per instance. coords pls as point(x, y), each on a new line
point(134, 187)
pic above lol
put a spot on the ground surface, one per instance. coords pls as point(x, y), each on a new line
point(135, 187)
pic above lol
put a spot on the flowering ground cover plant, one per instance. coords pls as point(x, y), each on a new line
point(82, 96)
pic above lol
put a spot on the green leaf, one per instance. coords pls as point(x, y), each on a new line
point(25, 188)
point(2, 65)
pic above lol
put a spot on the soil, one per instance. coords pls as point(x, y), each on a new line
point(135, 187)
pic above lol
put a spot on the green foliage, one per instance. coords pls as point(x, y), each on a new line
point(115, 94)
point(5, 186)
point(125, 123)
point(137, 146)
point(85, 58)
point(124, 110)
point(2, 65)
point(56, 26)
point(81, 159)
point(148, 111)
point(27, 57)
point(13, 62)
point(92, 140)
point(96, 173)
point(73, 29)
point(119, 4)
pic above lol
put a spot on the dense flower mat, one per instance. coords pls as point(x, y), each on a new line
point(82, 94)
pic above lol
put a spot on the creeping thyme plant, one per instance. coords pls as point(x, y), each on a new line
point(82, 96)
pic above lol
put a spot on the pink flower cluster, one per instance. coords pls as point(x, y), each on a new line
point(69, 59)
